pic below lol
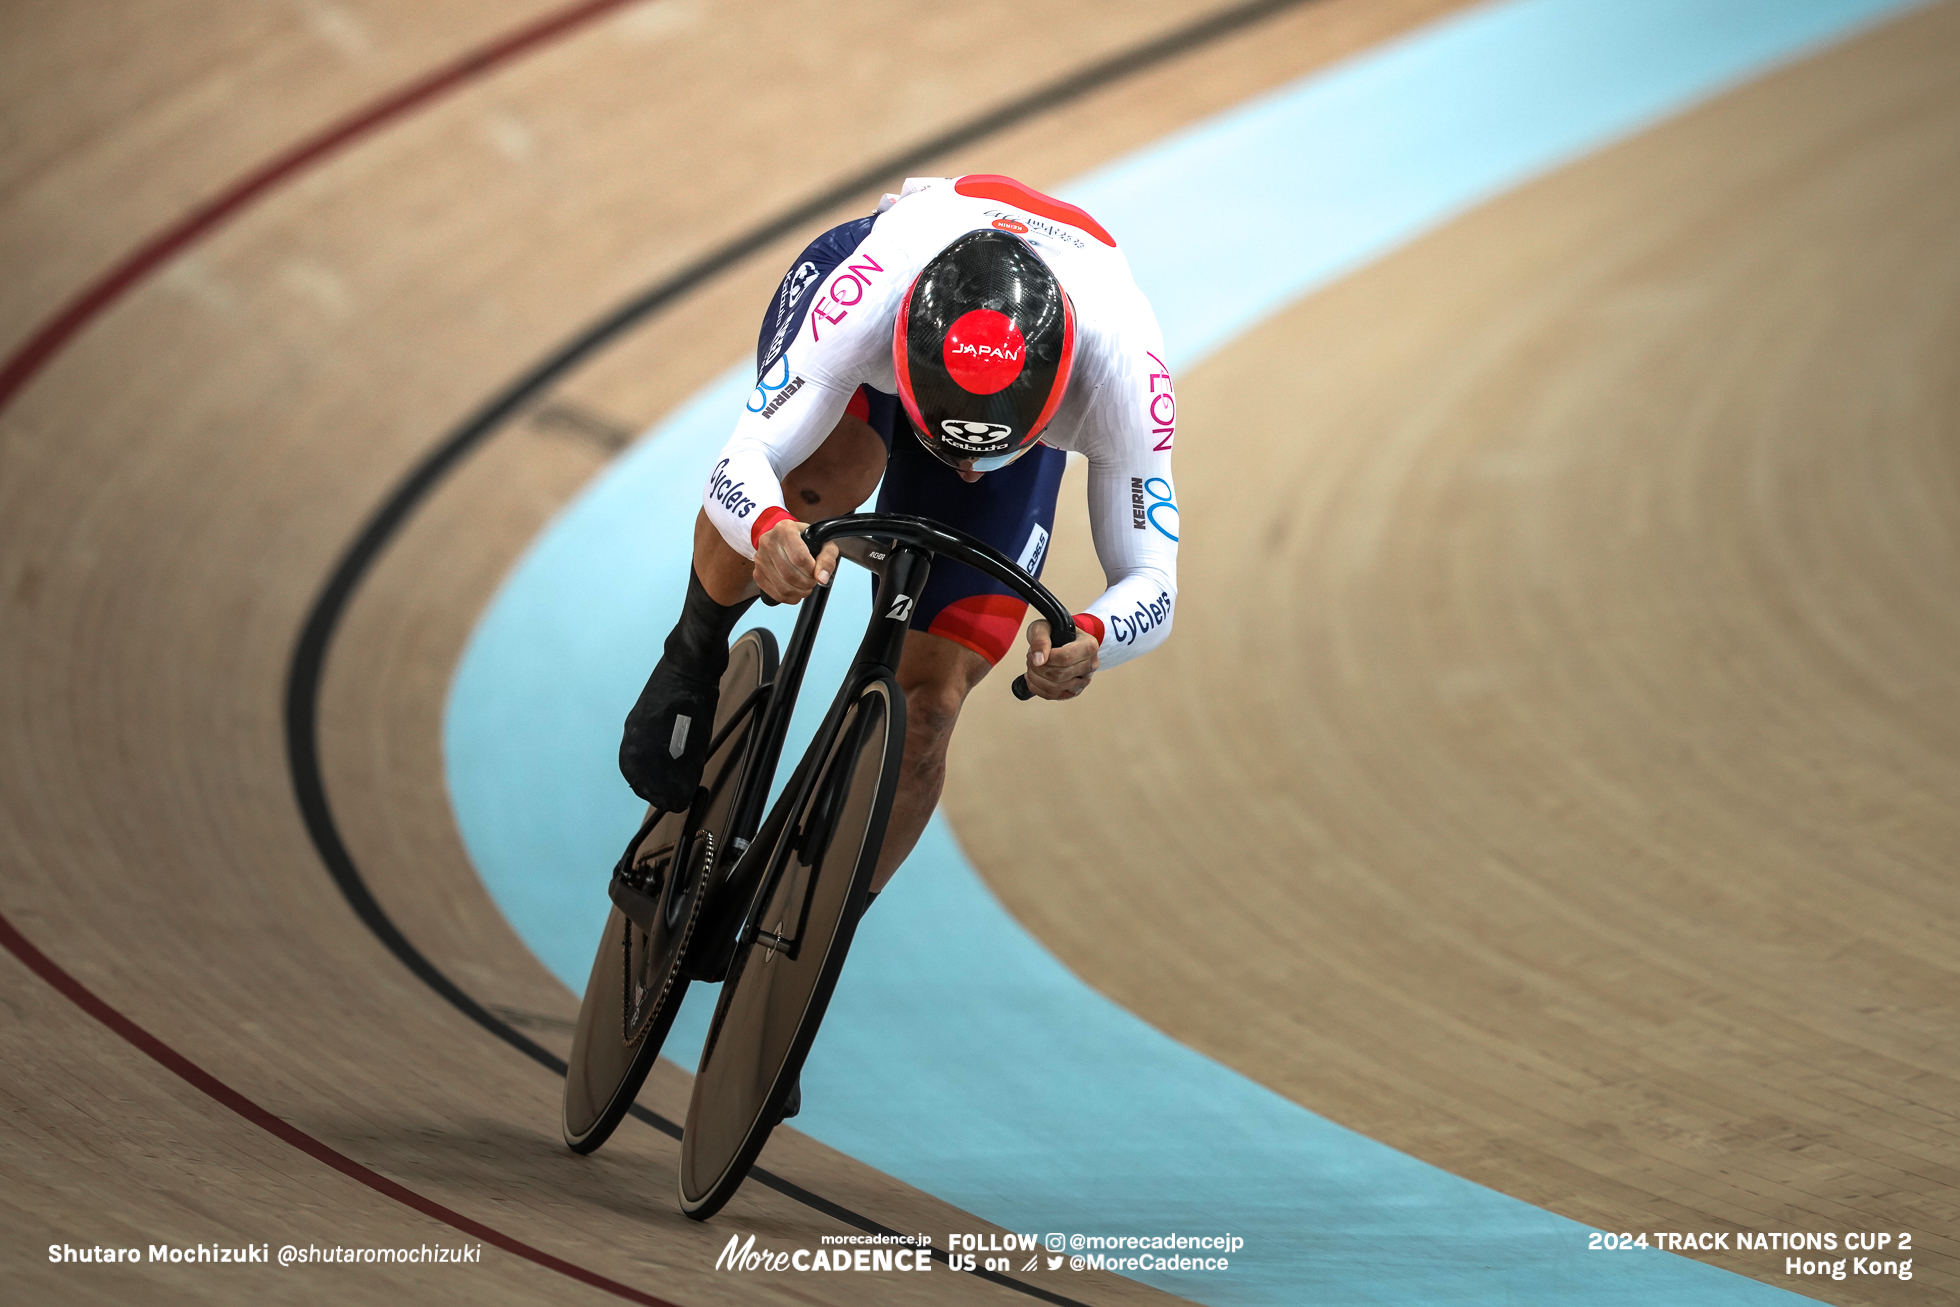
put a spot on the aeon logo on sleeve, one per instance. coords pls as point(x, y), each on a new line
point(845, 291)
point(1162, 406)
point(728, 493)
point(977, 437)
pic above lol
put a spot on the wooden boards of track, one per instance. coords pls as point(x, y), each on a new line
point(1553, 771)
point(179, 481)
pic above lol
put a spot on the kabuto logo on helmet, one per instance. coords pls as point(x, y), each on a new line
point(977, 437)
point(982, 347)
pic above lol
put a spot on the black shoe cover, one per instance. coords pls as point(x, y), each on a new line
point(665, 745)
point(794, 1103)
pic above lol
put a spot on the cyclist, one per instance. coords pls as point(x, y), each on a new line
point(956, 343)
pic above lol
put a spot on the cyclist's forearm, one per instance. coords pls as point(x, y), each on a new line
point(746, 480)
point(1133, 518)
point(1135, 615)
point(741, 490)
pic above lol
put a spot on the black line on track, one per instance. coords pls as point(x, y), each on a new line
point(323, 619)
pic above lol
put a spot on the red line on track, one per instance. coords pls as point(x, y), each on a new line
point(55, 333)
point(105, 290)
point(83, 997)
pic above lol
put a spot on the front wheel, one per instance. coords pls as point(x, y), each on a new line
point(782, 975)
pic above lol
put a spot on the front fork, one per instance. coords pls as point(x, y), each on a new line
point(901, 582)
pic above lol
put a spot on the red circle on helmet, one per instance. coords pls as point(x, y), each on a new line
point(984, 351)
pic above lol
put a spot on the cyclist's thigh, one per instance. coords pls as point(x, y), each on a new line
point(1012, 509)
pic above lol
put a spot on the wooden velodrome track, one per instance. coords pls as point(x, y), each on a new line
point(1554, 774)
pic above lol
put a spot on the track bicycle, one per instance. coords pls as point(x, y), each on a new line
point(765, 905)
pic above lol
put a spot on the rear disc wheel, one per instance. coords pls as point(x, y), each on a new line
point(780, 981)
point(636, 984)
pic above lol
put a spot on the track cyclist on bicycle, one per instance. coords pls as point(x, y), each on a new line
point(993, 328)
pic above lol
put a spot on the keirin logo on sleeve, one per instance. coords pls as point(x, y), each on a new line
point(1159, 510)
point(772, 380)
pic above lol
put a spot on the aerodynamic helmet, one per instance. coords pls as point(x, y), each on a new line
point(983, 346)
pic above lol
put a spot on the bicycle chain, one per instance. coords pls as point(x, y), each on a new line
point(626, 1021)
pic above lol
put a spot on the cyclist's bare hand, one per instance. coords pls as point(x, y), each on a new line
point(783, 565)
point(1059, 673)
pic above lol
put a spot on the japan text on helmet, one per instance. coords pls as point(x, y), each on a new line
point(983, 346)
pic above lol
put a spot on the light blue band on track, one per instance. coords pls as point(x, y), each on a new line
point(959, 1055)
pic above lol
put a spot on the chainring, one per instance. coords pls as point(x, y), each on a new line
point(686, 876)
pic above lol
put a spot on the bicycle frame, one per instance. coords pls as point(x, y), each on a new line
point(900, 550)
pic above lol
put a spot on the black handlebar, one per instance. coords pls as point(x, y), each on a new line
point(924, 533)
